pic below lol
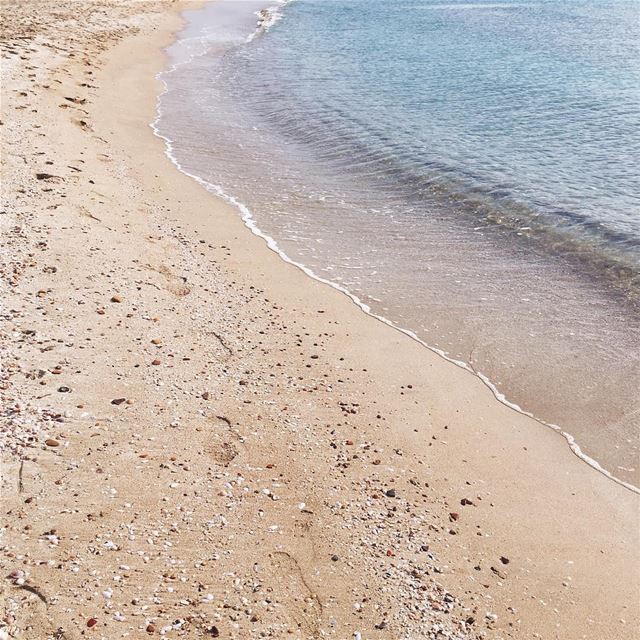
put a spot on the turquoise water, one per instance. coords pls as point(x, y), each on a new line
point(468, 170)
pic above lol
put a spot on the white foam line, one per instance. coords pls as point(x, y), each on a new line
point(250, 222)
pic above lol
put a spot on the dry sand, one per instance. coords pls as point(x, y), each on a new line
point(199, 440)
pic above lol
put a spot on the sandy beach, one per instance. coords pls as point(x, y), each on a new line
point(198, 440)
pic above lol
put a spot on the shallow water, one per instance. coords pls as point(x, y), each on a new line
point(468, 170)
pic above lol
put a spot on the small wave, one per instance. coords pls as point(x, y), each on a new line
point(267, 18)
point(361, 148)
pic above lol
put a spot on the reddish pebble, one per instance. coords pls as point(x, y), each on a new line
point(50, 442)
point(454, 516)
point(150, 628)
point(155, 362)
point(91, 622)
point(349, 442)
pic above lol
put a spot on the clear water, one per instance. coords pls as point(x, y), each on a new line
point(468, 170)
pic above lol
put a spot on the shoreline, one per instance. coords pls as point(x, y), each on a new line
point(581, 432)
point(295, 406)
point(266, 18)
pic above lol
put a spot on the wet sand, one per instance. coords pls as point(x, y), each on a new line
point(198, 439)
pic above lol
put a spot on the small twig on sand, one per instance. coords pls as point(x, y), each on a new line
point(222, 342)
point(20, 485)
